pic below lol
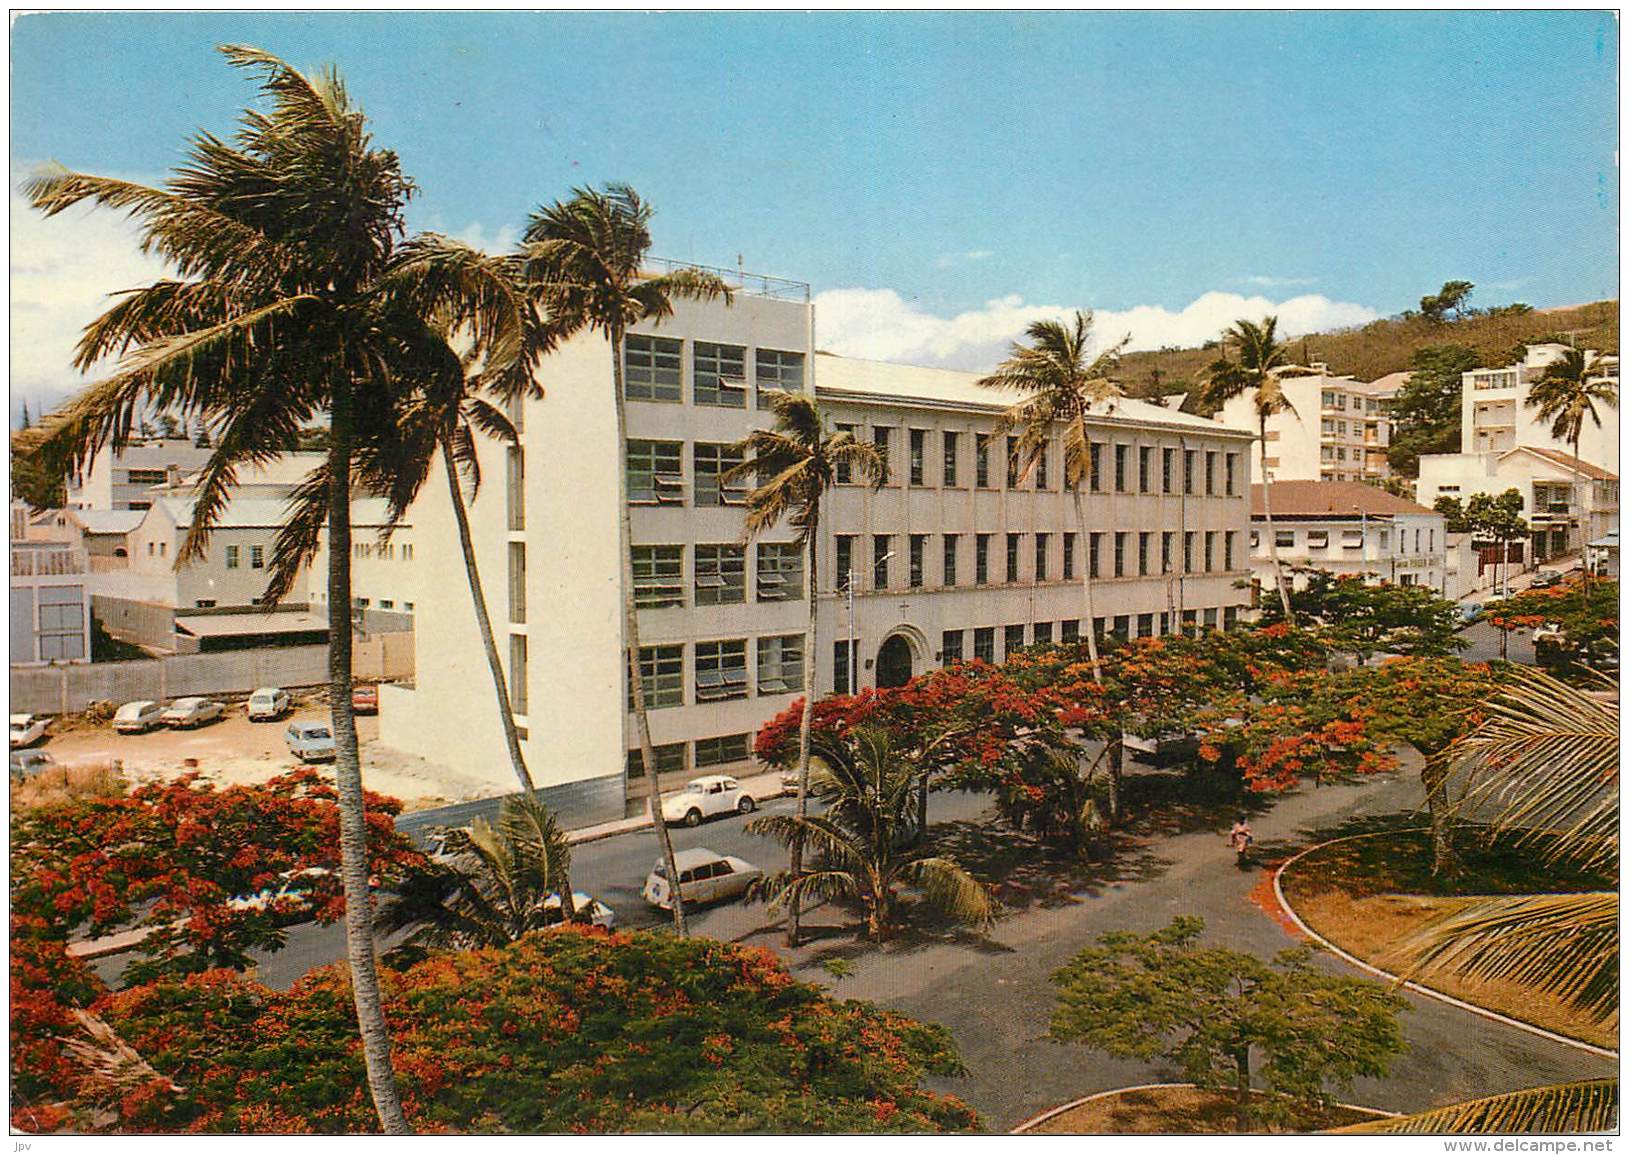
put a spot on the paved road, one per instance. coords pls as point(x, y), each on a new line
point(1484, 644)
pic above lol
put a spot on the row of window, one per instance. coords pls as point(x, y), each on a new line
point(383, 550)
point(672, 757)
point(1425, 541)
point(653, 370)
point(719, 670)
point(656, 473)
point(718, 574)
point(1119, 554)
point(1332, 399)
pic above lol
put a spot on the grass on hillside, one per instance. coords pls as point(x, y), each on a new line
point(1385, 346)
point(1181, 1110)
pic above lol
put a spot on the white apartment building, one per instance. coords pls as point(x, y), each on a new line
point(51, 584)
point(951, 560)
point(1495, 415)
point(1349, 528)
point(120, 479)
point(1337, 429)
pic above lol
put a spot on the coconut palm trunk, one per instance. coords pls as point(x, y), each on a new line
point(630, 627)
point(353, 831)
point(812, 589)
point(1117, 746)
point(1272, 538)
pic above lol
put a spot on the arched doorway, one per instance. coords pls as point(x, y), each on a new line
point(894, 662)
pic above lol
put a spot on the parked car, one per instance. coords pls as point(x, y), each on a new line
point(704, 876)
point(365, 699)
point(1161, 749)
point(27, 763)
point(706, 798)
point(1470, 612)
point(27, 729)
point(190, 713)
point(138, 717)
point(1548, 632)
point(268, 704)
point(598, 913)
point(293, 899)
point(1545, 578)
point(310, 741)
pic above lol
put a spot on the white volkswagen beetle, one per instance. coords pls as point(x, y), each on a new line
point(707, 798)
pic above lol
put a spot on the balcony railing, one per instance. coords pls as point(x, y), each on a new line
point(46, 562)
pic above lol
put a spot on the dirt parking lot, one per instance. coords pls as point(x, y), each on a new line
point(235, 750)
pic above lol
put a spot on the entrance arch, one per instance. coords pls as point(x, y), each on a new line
point(894, 662)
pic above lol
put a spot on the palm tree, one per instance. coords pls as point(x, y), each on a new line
point(864, 841)
point(1259, 366)
point(795, 464)
point(587, 256)
point(1061, 384)
point(497, 884)
point(1547, 760)
point(285, 304)
point(1565, 396)
point(1584, 1107)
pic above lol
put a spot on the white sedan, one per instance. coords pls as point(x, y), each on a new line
point(186, 713)
point(27, 729)
point(138, 717)
point(706, 798)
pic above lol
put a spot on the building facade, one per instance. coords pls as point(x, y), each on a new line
point(1349, 528)
point(51, 586)
point(1337, 428)
point(120, 479)
point(1496, 414)
point(950, 560)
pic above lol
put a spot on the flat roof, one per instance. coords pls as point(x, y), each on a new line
point(237, 625)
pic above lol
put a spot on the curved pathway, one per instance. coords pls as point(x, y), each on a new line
point(996, 998)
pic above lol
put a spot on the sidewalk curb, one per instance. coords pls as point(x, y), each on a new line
point(1053, 1113)
point(634, 825)
point(1278, 892)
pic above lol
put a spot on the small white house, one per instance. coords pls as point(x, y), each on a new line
point(1350, 528)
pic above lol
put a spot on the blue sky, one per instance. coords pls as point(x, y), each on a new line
point(939, 178)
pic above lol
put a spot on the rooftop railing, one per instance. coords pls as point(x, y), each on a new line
point(752, 284)
point(46, 562)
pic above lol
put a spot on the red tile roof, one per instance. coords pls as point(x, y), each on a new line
point(1310, 498)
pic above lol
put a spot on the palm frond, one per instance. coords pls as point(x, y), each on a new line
point(1584, 1107)
point(951, 890)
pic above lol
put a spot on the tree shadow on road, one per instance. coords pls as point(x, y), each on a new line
point(1025, 872)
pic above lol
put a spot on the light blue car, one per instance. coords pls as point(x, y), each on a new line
point(310, 741)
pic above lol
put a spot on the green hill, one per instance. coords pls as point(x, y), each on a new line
point(1385, 346)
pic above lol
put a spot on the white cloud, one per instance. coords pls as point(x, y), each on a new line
point(950, 260)
point(881, 325)
point(63, 269)
point(1261, 282)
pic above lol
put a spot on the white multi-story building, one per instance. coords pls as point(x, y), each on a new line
point(51, 584)
point(1496, 414)
point(951, 560)
point(1349, 528)
point(120, 479)
point(1336, 430)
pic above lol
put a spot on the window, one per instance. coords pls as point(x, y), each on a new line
point(650, 367)
point(1230, 617)
point(1095, 470)
point(711, 462)
point(720, 375)
point(1232, 474)
point(1013, 540)
point(1229, 549)
point(257, 555)
point(1040, 556)
point(881, 551)
point(1145, 625)
point(231, 557)
point(1043, 633)
point(1188, 456)
point(919, 455)
point(1122, 458)
point(950, 647)
point(1167, 547)
point(950, 460)
point(1168, 471)
point(1012, 640)
point(1145, 468)
point(1012, 463)
point(780, 664)
point(1210, 550)
point(778, 370)
point(1284, 538)
point(1120, 554)
point(845, 559)
point(984, 644)
point(1122, 625)
point(951, 541)
point(1094, 552)
point(1188, 544)
point(1210, 618)
point(918, 550)
point(658, 574)
point(655, 473)
point(1210, 473)
point(1041, 458)
point(981, 460)
point(840, 669)
point(1069, 631)
point(1144, 540)
point(1255, 539)
point(201, 603)
point(845, 471)
point(146, 477)
point(981, 559)
point(721, 751)
point(780, 571)
point(386, 604)
point(661, 676)
point(721, 575)
point(517, 673)
point(1068, 557)
point(517, 581)
point(1317, 539)
point(1327, 399)
point(1385, 540)
point(669, 760)
point(514, 488)
point(879, 438)
point(721, 670)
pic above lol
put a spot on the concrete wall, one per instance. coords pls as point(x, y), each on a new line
point(66, 689)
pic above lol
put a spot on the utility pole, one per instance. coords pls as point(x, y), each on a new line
point(853, 666)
